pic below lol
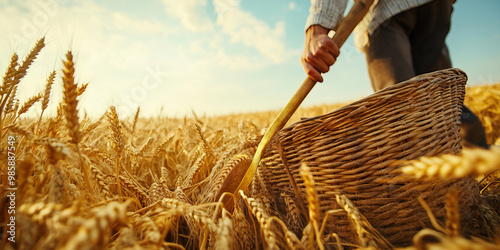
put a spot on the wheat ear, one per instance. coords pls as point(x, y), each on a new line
point(46, 93)
point(70, 94)
point(367, 234)
point(118, 141)
point(58, 191)
point(472, 162)
point(136, 118)
point(19, 74)
point(9, 76)
point(28, 104)
point(262, 218)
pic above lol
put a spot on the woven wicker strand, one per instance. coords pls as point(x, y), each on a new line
point(357, 149)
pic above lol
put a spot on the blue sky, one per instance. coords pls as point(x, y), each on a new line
point(213, 57)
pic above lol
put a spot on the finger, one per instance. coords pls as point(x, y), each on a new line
point(312, 72)
point(332, 47)
point(318, 63)
point(326, 57)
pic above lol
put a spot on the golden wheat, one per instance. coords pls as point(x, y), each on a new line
point(472, 162)
point(47, 91)
point(156, 183)
point(70, 101)
point(27, 105)
point(313, 202)
point(452, 214)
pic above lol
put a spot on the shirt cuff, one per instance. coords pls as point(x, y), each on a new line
point(326, 13)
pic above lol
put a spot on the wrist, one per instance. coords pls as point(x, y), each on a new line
point(317, 29)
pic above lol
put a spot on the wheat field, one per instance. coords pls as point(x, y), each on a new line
point(138, 183)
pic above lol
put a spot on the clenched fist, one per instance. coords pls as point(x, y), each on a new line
point(320, 52)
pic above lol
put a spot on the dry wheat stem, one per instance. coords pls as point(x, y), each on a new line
point(313, 202)
point(431, 216)
point(452, 214)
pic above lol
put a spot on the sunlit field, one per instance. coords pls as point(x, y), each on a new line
point(72, 182)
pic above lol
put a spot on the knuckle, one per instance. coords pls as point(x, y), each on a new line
point(310, 57)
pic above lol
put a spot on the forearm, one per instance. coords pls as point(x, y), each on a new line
point(326, 13)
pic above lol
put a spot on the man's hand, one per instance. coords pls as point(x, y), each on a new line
point(320, 52)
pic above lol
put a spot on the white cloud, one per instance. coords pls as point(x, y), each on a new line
point(292, 5)
point(239, 26)
point(192, 14)
point(107, 49)
point(238, 62)
point(242, 27)
point(124, 22)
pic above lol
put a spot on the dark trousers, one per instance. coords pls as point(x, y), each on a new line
point(409, 44)
point(413, 43)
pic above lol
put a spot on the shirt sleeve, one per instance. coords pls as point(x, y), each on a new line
point(326, 13)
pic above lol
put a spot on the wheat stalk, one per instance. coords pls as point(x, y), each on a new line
point(47, 91)
point(294, 219)
point(146, 146)
point(20, 131)
point(9, 76)
point(367, 234)
point(8, 81)
point(452, 214)
point(46, 95)
point(94, 231)
point(25, 180)
point(242, 229)
point(23, 68)
point(225, 234)
point(118, 141)
point(313, 202)
point(262, 218)
point(28, 104)
point(58, 191)
point(11, 85)
point(472, 162)
point(101, 184)
point(136, 118)
point(70, 94)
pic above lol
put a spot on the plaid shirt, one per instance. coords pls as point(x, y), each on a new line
point(328, 14)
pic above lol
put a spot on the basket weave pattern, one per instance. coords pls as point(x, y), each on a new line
point(356, 150)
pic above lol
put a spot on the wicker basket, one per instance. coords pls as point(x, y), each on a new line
point(357, 149)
